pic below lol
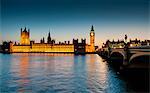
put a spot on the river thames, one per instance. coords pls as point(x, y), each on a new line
point(62, 73)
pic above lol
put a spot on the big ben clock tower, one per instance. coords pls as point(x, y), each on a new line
point(92, 39)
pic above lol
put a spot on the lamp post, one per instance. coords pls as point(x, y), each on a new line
point(126, 51)
point(126, 39)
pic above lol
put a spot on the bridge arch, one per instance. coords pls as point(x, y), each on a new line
point(117, 59)
point(140, 54)
point(139, 61)
point(118, 51)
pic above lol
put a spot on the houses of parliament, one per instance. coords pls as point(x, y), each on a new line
point(49, 46)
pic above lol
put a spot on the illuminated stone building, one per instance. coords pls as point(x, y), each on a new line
point(121, 44)
point(145, 43)
point(92, 39)
point(25, 37)
point(50, 46)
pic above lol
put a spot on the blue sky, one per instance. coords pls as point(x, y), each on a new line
point(68, 19)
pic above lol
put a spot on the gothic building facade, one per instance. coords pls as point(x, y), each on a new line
point(49, 45)
point(25, 37)
point(92, 39)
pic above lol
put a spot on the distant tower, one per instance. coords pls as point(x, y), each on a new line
point(49, 38)
point(92, 39)
point(25, 37)
point(43, 40)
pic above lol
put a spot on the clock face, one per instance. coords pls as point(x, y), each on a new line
point(92, 34)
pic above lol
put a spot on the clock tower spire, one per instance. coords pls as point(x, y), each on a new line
point(92, 39)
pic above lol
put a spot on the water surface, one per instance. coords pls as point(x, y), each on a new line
point(59, 73)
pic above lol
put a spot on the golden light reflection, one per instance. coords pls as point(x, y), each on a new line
point(102, 68)
point(44, 54)
point(97, 70)
point(23, 72)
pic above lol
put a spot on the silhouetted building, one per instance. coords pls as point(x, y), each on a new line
point(134, 43)
point(79, 47)
point(114, 44)
point(1, 49)
point(50, 40)
point(121, 43)
point(5, 47)
point(145, 43)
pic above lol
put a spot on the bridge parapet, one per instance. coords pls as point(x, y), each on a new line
point(140, 47)
point(131, 53)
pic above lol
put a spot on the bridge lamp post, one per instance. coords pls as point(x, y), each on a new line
point(126, 39)
point(126, 51)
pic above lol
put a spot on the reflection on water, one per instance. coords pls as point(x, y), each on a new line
point(23, 73)
point(59, 73)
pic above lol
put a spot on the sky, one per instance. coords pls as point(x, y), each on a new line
point(68, 19)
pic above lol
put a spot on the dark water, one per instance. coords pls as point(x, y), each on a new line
point(62, 73)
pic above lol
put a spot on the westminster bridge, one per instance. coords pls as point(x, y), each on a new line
point(128, 57)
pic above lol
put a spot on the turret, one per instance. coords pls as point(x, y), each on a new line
point(25, 37)
point(43, 40)
point(49, 38)
point(25, 29)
